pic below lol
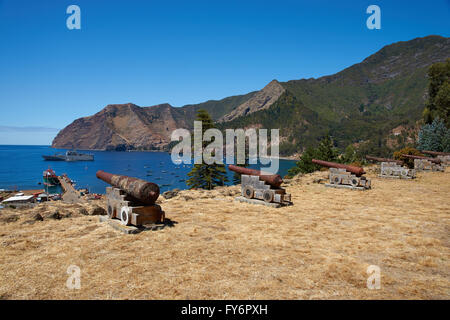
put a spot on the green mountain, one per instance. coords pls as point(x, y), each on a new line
point(378, 100)
point(376, 104)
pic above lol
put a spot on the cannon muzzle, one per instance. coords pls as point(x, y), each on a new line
point(377, 159)
point(141, 190)
point(437, 161)
point(358, 171)
point(274, 180)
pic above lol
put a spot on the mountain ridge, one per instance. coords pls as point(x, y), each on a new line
point(363, 102)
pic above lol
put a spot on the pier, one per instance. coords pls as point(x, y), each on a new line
point(70, 195)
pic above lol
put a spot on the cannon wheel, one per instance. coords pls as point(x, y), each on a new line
point(110, 211)
point(336, 180)
point(248, 192)
point(268, 196)
point(404, 172)
point(354, 182)
point(124, 216)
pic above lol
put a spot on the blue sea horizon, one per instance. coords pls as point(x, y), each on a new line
point(21, 168)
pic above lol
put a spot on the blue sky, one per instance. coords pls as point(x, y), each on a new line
point(179, 52)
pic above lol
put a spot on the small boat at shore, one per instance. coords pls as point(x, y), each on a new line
point(69, 156)
point(50, 178)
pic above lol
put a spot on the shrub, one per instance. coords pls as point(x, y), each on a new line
point(398, 155)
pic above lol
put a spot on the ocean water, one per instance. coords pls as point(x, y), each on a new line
point(21, 168)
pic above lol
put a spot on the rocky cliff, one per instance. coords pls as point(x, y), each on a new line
point(261, 100)
point(122, 127)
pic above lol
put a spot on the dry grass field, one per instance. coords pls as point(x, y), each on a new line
point(319, 248)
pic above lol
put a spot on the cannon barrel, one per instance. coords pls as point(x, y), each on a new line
point(435, 153)
point(437, 161)
point(358, 171)
point(377, 159)
point(274, 180)
point(141, 190)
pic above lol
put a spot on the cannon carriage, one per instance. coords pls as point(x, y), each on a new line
point(425, 163)
point(132, 200)
point(261, 186)
point(444, 157)
point(391, 168)
point(345, 176)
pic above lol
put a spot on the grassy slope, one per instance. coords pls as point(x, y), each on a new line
point(221, 249)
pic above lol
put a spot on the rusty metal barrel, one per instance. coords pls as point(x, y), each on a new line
point(141, 190)
point(435, 153)
point(434, 160)
point(274, 180)
point(358, 171)
point(377, 159)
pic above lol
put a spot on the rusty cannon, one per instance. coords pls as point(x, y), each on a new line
point(422, 163)
point(274, 180)
point(434, 160)
point(131, 200)
point(435, 153)
point(391, 168)
point(378, 159)
point(443, 156)
point(261, 188)
point(345, 176)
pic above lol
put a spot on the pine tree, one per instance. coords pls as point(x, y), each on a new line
point(438, 104)
point(325, 151)
point(350, 155)
point(206, 176)
point(434, 136)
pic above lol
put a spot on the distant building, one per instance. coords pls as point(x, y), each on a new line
point(19, 201)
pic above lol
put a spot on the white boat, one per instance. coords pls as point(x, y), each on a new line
point(70, 156)
point(75, 156)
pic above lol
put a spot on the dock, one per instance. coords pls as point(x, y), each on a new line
point(70, 195)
